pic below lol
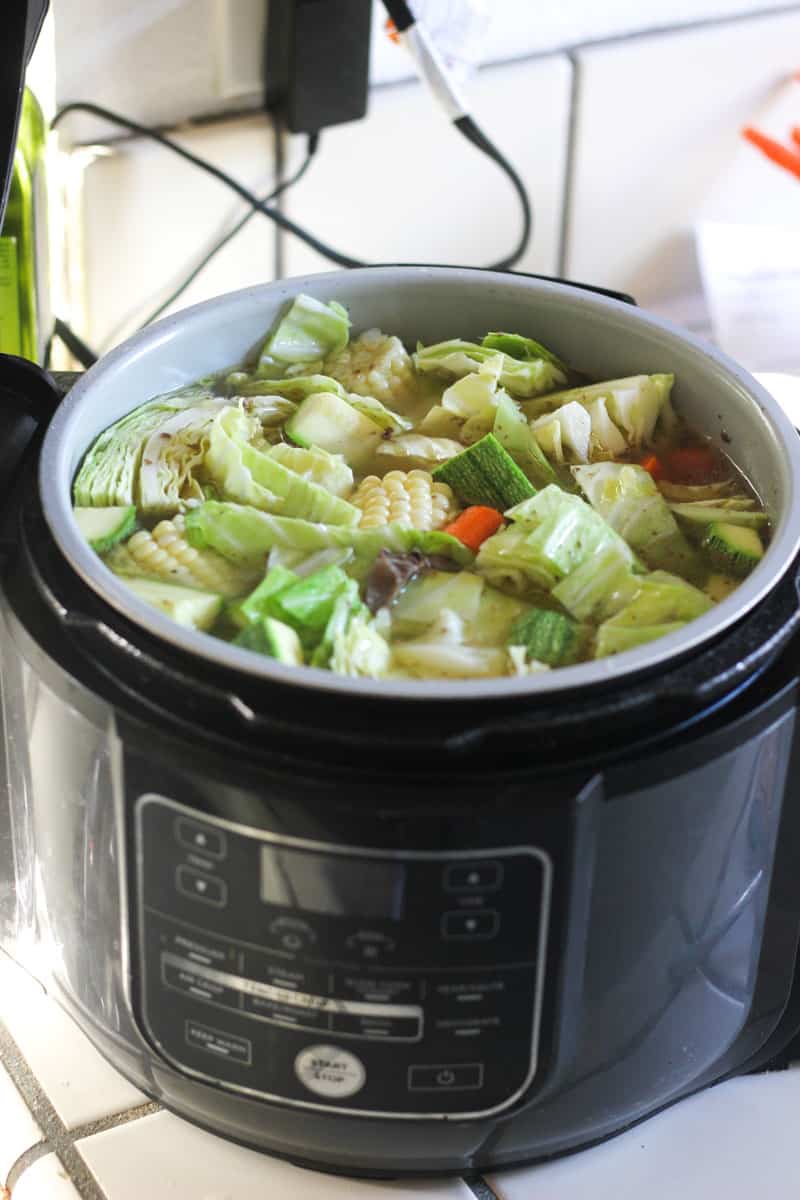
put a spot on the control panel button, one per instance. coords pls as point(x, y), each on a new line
point(470, 925)
point(199, 886)
point(292, 934)
point(330, 1071)
point(194, 835)
point(196, 983)
point(377, 1027)
point(223, 1045)
point(371, 944)
point(452, 1077)
point(473, 877)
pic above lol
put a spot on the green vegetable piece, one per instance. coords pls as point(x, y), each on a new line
point(244, 535)
point(360, 650)
point(330, 471)
point(282, 643)
point(309, 331)
point(733, 548)
point(522, 378)
point(661, 598)
point(420, 603)
point(333, 424)
point(346, 606)
point(109, 474)
point(698, 513)
point(104, 527)
point(514, 434)
point(599, 587)
point(486, 474)
point(634, 404)
point(187, 606)
point(296, 388)
point(255, 477)
point(256, 606)
point(614, 639)
point(308, 604)
point(523, 348)
point(627, 497)
point(548, 637)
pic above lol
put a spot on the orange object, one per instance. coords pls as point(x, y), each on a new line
point(691, 465)
point(652, 465)
point(796, 135)
point(475, 525)
point(775, 151)
point(394, 36)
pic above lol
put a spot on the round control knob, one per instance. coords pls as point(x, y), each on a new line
point(330, 1071)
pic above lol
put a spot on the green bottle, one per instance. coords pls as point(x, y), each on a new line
point(24, 285)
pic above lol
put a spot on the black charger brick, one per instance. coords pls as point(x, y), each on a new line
point(317, 62)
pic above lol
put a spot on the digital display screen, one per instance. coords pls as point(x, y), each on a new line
point(337, 886)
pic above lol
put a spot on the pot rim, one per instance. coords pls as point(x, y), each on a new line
point(55, 482)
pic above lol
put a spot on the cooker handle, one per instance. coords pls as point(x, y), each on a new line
point(29, 397)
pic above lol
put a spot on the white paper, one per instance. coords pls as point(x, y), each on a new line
point(751, 278)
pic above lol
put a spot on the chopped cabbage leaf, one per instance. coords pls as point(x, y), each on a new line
point(108, 476)
point(599, 587)
point(520, 664)
point(442, 651)
point(438, 422)
point(294, 389)
point(383, 417)
point(245, 534)
point(417, 450)
point(552, 534)
point(171, 456)
point(634, 405)
point(423, 599)
point(698, 513)
point(523, 348)
point(606, 441)
point(360, 650)
point(472, 394)
point(309, 331)
point(456, 358)
point(252, 477)
point(614, 639)
point(346, 606)
point(702, 491)
point(627, 497)
point(315, 465)
point(661, 598)
point(516, 437)
point(568, 429)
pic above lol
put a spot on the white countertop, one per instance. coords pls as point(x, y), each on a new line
point(72, 1129)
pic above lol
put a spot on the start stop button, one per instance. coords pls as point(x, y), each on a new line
point(330, 1071)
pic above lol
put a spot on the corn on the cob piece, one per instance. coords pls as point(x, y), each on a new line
point(407, 498)
point(165, 554)
point(376, 365)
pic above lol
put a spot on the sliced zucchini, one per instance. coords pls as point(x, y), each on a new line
point(328, 421)
point(733, 548)
point(485, 473)
point(196, 610)
point(548, 637)
point(104, 527)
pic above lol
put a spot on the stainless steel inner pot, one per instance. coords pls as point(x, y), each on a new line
point(603, 337)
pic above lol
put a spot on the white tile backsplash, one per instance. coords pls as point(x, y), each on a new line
point(164, 1158)
point(658, 147)
point(727, 1143)
point(149, 217)
point(18, 1130)
point(77, 1081)
point(404, 186)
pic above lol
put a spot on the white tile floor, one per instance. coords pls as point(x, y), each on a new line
point(732, 1141)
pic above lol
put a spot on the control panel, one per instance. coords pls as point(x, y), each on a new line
point(403, 984)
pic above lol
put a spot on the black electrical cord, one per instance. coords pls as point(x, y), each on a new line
point(274, 214)
point(465, 125)
point(313, 143)
point(76, 345)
